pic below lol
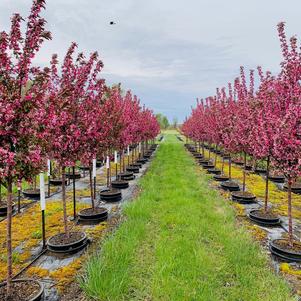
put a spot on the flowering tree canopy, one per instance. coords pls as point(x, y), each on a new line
point(22, 96)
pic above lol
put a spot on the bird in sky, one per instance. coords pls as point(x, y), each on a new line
point(112, 23)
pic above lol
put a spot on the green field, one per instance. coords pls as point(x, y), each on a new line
point(180, 241)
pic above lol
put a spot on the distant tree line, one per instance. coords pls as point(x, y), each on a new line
point(164, 122)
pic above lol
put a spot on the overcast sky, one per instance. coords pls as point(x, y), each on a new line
point(168, 52)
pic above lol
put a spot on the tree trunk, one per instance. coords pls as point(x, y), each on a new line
point(289, 211)
point(120, 166)
point(74, 197)
point(69, 181)
point(110, 175)
point(9, 239)
point(244, 173)
point(19, 186)
point(230, 163)
point(254, 163)
point(223, 163)
point(91, 187)
point(215, 157)
point(64, 201)
point(267, 186)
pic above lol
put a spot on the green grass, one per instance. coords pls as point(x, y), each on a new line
point(180, 242)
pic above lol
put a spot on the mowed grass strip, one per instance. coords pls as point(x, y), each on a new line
point(180, 242)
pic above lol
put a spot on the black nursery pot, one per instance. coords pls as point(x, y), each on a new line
point(84, 167)
point(57, 244)
point(208, 166)
point(137, 164)
point(261, 219)
point(3, 209)
point(243, 197)
point(99, 214)
point(221, 178)
point(38, 294)
point(296, 187)
point(230, 185)
point(198, 156)
point(99, 163)
point(111, 195)
point(204, 162)
point(283, 252)
point(238, 162)
point(260, 170)
point(248, 167)
point(31, 193)
point(57, 182)
point(132, 168)
point(120, 184)
point(141, 161)
point(76, 176)
point(277, 179)
point(214, 171)
point(127, 176)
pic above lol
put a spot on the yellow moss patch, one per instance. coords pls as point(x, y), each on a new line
point(239, 209)
point(36, 271)
point(65, 275)
point(27, 223)
point(257, 232)
point(79, 193)
point(287, 269)
point(97, 231)
point(114, 209)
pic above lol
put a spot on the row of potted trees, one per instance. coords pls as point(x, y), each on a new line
point(64, 113)
point(263, 124)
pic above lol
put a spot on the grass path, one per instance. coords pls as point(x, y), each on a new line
point(180, 242)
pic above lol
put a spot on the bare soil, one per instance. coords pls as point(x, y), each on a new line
point(91, 211)
point(63, 239)
point(264, 214)
point(284, 244)
point(21, 291)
